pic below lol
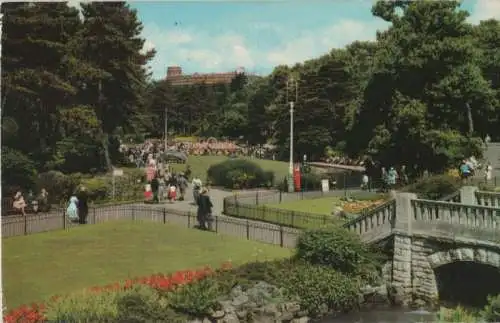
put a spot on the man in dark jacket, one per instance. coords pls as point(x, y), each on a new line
point(83, 207)
point(205, 211)
point(155, 186)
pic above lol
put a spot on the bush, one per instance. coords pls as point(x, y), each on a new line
point(144, 304)
point(84, 307)
point(239, 173)
point(311, 182)
point(196, 299)
point(59, 186)
point(434, 187)
point(98, 188)
point(491, 312)
point(337, 248)
point(321, 289)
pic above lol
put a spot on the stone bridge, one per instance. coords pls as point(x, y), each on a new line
point(421, 236)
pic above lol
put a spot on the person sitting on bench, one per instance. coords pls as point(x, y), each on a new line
point(19, 204)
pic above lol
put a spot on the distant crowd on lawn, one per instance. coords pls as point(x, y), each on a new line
point(138, 153)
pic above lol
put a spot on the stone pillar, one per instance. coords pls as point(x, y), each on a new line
point(468, 195)
point(402, 262)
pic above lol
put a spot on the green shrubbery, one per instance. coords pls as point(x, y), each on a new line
point(339, 249)
point(239, 174)
point(435, 187)
point(100, 188)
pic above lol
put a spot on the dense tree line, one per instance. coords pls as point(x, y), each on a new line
point(71, 82)
point(424, 93)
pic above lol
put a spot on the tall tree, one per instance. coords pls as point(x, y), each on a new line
point(110, 40)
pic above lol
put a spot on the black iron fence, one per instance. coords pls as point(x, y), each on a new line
point(57, 220)
point(259, 206)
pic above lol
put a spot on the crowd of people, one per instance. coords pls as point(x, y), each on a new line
point(163, 184)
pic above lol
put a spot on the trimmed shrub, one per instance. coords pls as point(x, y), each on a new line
point(311, 182)
point(239, 173)
point(434, 187)
point(321, 289)
point(337, 248)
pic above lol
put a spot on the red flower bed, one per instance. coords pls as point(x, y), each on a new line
point(35, 312)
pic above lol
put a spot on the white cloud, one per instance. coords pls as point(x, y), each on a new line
point(485, 9)
point(313, 43)
point(228, 50)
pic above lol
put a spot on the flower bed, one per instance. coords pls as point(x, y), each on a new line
point(35, 313)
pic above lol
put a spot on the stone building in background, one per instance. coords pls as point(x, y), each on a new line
point(176, 78)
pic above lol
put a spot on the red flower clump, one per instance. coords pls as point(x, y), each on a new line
point(35, 312)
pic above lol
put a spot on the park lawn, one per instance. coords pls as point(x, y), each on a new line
point(200, 165)
point(322, 205)
point(38, 266)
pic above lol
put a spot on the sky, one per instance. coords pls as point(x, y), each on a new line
point(220, 36)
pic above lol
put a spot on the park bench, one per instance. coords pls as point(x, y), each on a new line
point(8, 210)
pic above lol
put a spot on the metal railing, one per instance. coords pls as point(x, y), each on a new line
point(253, 206)
point(57, 220)
point(488, 198)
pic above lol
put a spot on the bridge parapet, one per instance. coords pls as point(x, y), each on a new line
point(376, 223)
point(488, 198)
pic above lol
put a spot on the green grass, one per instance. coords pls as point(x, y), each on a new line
point(302, 214)
point(42, 265)
point(200, 165)
point(323, 205)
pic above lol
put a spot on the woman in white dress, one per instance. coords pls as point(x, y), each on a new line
point(488, 172)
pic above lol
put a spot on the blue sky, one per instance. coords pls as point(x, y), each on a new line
point(219, 36)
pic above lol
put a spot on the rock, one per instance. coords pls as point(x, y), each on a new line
point(286, 316)
point(396, 295)
point(375, 295)
point(242, 314)
point(303, 319)
point(230, 318)
point(218, 314)
point(226, 306)
point(292, 307)
point(206, 320)
point(271, 309)
point(302, 313)
point(239, 300)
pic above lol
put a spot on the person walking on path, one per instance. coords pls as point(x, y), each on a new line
point(83, 207)
point(182, 183)
point(204, 214)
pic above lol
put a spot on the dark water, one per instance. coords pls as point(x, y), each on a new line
point(384, 316)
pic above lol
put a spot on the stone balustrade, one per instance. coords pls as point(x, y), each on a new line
point(451, 215)
point(488, 198)
point(376, 222)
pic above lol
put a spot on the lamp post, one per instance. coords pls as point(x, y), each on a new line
point(295, 84)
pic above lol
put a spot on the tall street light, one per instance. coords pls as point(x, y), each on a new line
point(291, 84)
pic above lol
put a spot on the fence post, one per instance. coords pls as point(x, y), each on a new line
point(248, 230)
point(93, 213)
point(224, 207)
point(64, 219)
point(257, 198)
point(164, 216)
point(216, 224)
point(281, 236)
point(281, 196)
point(25, 224)
point(189, 219)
